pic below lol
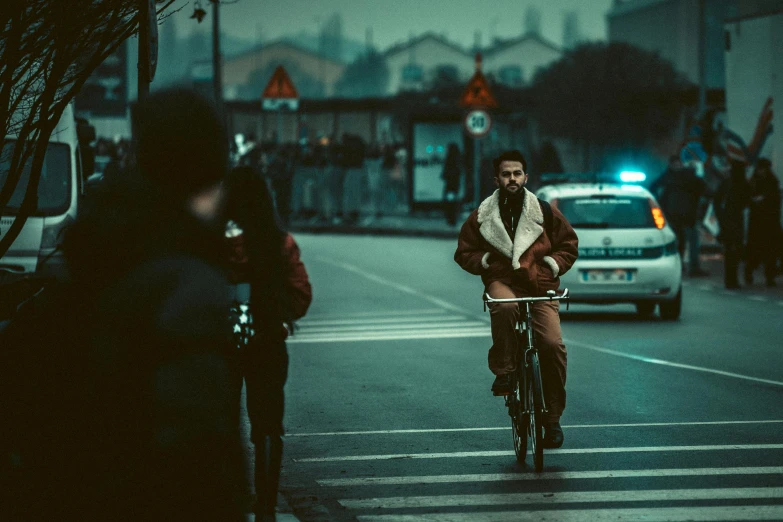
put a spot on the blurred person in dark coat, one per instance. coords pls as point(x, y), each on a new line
point(265, 258)
point(679, 191)
point(730, 202)
point(120, 389)
point(452, 177)
point(763, 223)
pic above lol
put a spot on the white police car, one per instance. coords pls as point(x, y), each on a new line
point(627, 251)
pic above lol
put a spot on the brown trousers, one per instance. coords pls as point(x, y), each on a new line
point(551, 350)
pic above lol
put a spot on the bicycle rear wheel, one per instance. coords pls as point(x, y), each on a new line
point(518, 419)
point(535, 406)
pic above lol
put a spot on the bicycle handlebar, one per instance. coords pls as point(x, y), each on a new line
point(551, 296)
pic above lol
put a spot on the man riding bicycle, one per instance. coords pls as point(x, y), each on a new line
point(520, 246)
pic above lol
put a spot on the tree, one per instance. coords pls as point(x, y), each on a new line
point(48, 49)
point(608, 95)
point(367, 76)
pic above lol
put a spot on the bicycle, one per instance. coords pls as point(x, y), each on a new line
point(526, 404)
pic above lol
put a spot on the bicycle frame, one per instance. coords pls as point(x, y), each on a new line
point(527, 377)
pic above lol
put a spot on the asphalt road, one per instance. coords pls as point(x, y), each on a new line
point(390, 417)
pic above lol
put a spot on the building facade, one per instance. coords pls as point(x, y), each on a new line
point(246, 75)
point(754, 75)
point(671, 28)
point(514, 62)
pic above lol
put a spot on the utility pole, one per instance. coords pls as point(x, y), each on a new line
point(217, 68)
point(143, 67)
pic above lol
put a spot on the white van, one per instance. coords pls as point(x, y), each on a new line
point(34, 253)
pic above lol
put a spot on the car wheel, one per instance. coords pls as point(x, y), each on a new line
point(645, 308)
point(670, 310)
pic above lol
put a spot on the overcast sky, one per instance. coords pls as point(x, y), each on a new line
point(393, 21)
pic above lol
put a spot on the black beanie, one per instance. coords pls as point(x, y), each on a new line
point(181, 143)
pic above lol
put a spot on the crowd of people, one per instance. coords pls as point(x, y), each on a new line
point(121, 386)
point(758, 240)
point(331, 180)
point(747, 211)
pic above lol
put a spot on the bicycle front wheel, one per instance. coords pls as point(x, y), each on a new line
point(518, 419)
point(535, 405)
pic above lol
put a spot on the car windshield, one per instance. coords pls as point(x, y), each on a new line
point(54, 187)
point(607, 212)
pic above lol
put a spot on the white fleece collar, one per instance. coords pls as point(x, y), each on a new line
point(531, 225)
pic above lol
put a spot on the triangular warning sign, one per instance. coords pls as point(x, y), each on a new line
point(280, 86)
point(477, 93)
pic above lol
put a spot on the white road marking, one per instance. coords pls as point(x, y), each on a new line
point(371, 321)
point(758, 298)
point(392, 336)
point(448, 306)
point(372, 313)
point(706, 287)
point(503, 499)
point(402, 288)
point(665, 514)
point(450, 325)
point(672, 364)
point(553, 475)
point(500, 428)
point(504, 453)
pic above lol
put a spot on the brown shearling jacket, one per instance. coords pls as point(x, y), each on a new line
point(532, 263)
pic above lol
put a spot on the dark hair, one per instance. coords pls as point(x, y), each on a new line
point(737, 170)
point(249, 203)
point(763, 163)
point(509, 155)
point(182, 146)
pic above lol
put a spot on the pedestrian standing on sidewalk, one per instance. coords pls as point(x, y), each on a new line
point(730, 202)
point(451, 176)
point(268, 274)
point(763, 223)
point(679, 191)
point(123, 396)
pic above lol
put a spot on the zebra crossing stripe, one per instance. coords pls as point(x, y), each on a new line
point(390, 336)
point(506, 428)
point(372, 313)
point(450, 325)
point(501, 499)
point(550, 475)
point(648, 514)
point(374, 320)
point(503, 453)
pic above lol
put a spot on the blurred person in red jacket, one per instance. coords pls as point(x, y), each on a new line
point(271, 281)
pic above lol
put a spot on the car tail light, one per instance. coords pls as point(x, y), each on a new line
point(657, 215)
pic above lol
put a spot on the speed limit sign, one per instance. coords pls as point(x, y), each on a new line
point(478, 123)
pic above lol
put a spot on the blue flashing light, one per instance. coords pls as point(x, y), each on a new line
point(440, 148)
point(632, 176)
point(429, 149)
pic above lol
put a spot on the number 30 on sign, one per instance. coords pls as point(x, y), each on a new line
point(478, 123)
